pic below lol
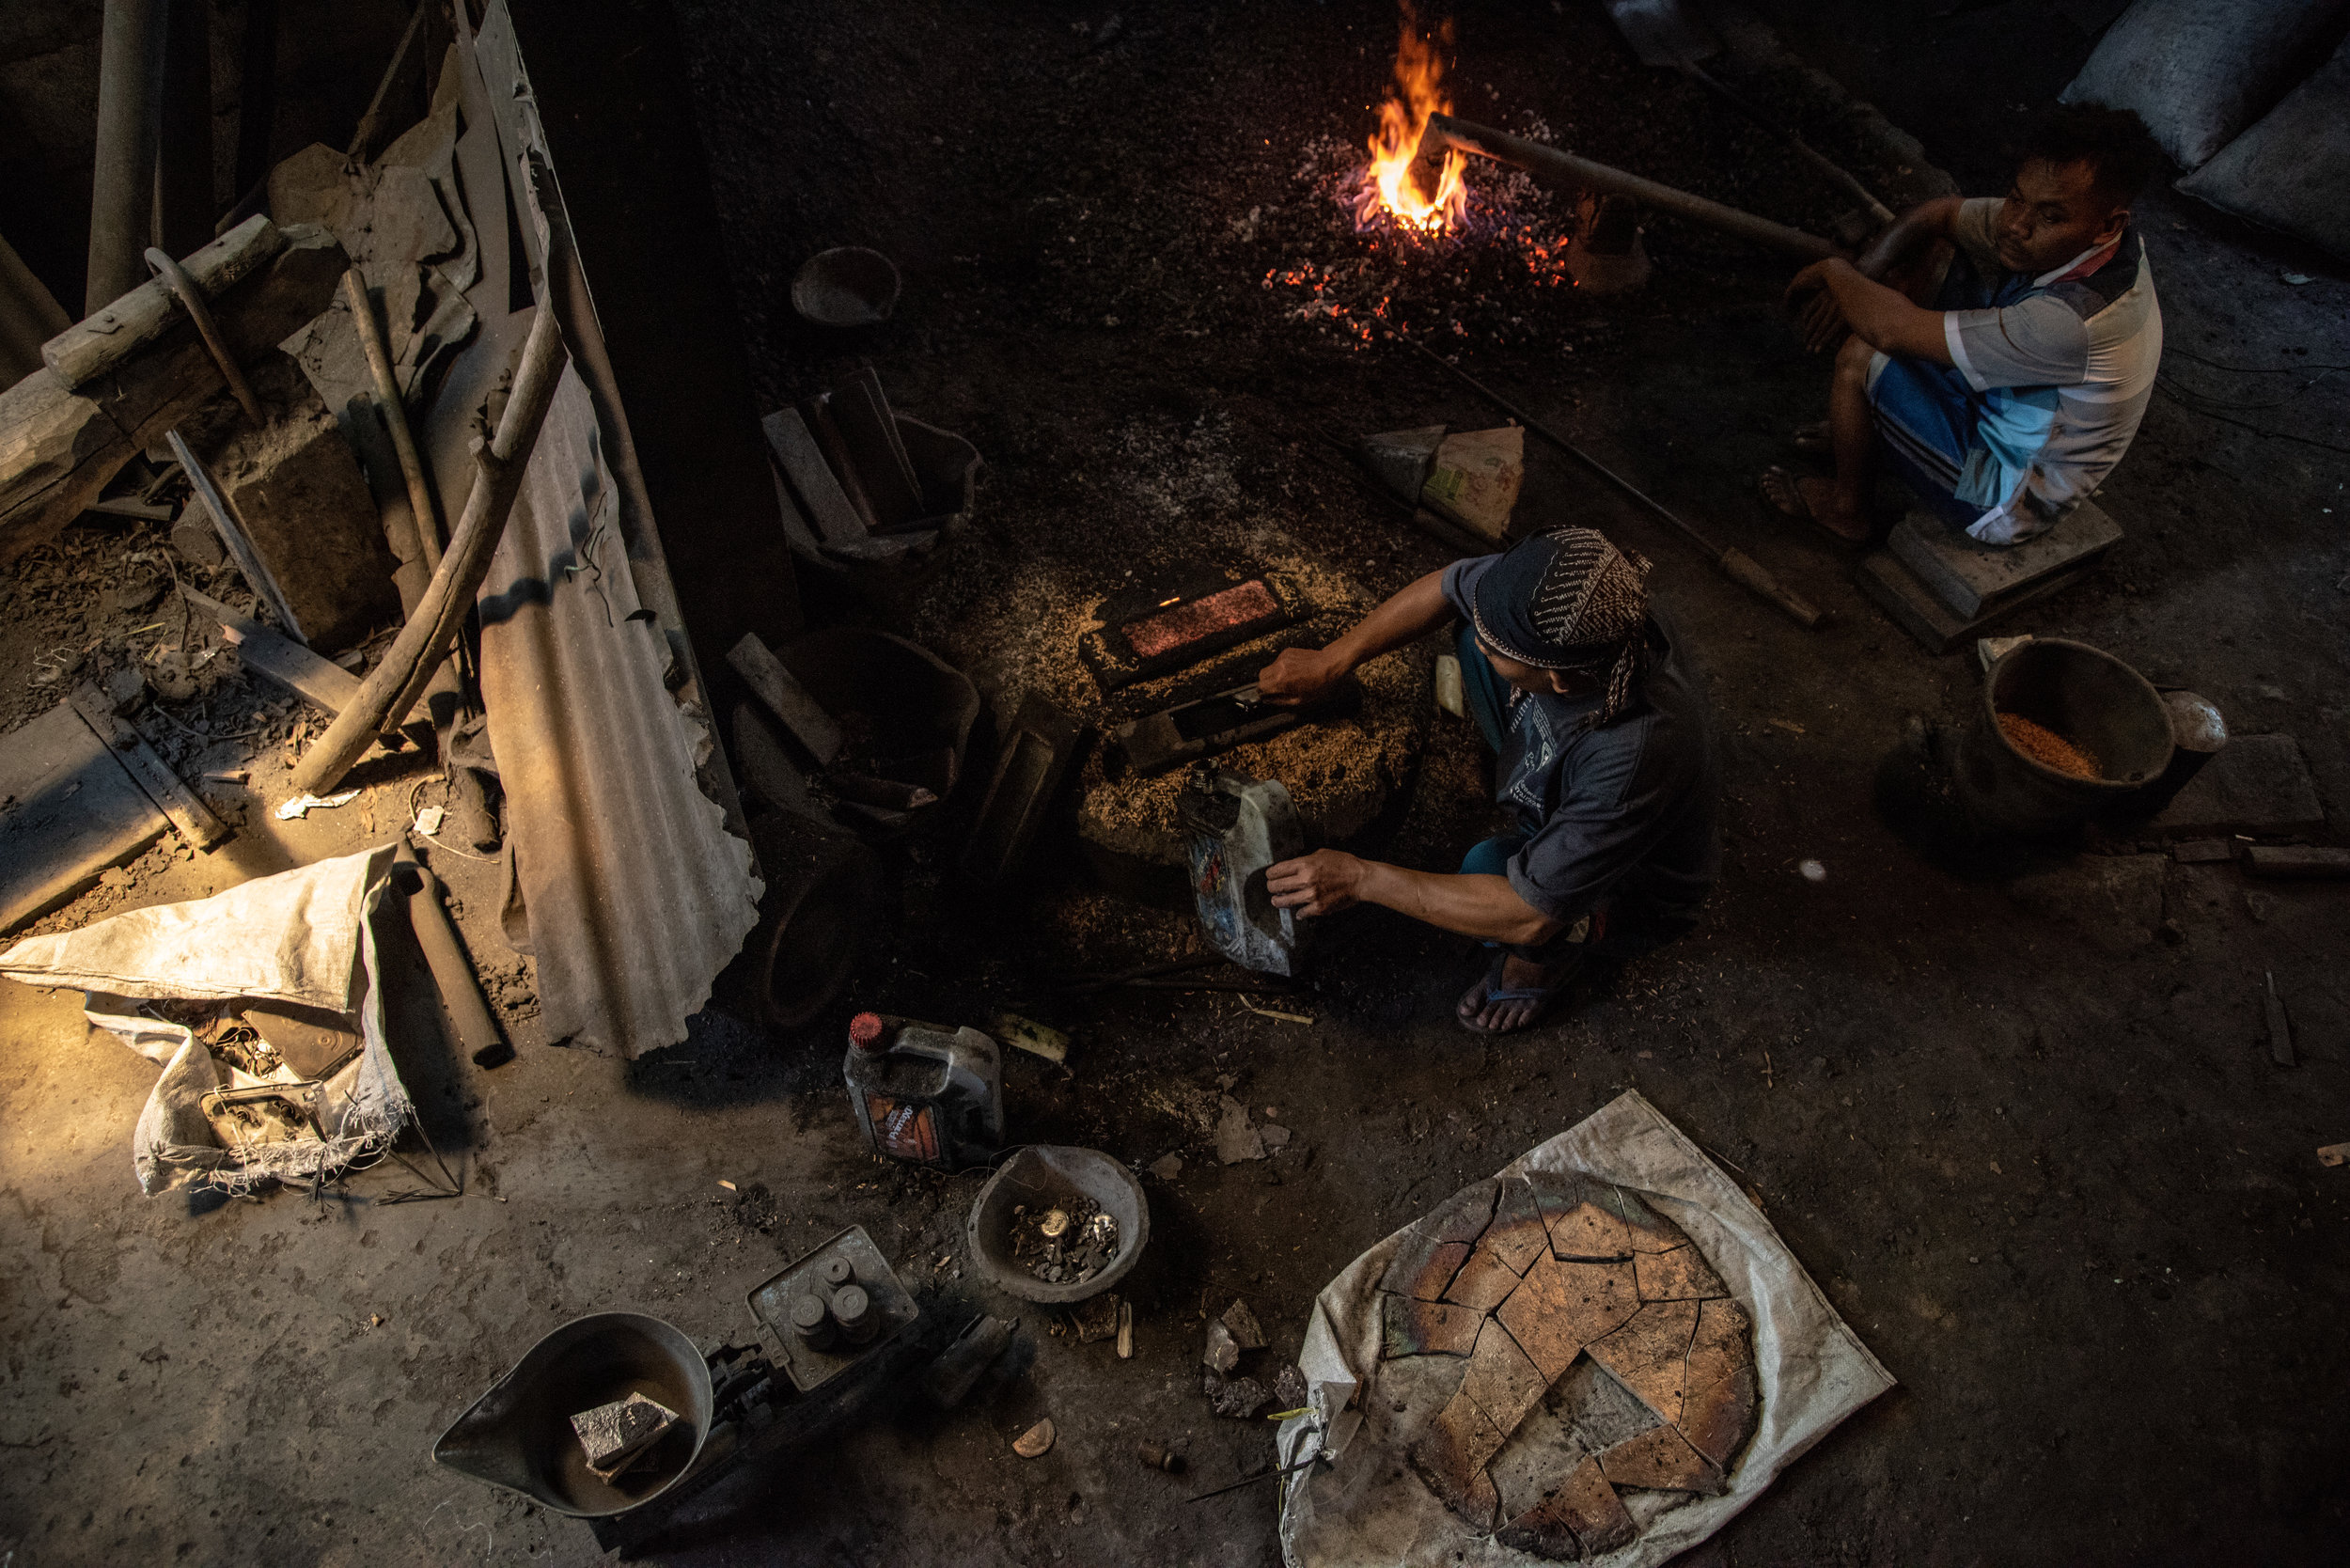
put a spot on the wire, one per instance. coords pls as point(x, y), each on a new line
point(2249, 370)
point(2192, 406)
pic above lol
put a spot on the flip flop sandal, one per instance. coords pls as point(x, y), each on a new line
point(1542, 996)
point(1799, 509)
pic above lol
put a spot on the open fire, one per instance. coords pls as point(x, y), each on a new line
point(1424, 195)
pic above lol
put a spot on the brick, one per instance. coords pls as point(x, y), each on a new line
point(1647, 1354)
point(1681, 1275)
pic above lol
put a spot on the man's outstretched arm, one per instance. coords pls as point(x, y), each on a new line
point(1302, 674)
point(1825, 315)
point(1327, 881)
point(1880, 317)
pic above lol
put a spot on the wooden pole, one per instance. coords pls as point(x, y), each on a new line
point(395, 684)
point(395, 411)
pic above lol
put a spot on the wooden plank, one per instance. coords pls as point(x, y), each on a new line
point(320, 682)
point(786, 699)
point(820, 495)
point(190, 817)
point(89, 348)
point(67, 811)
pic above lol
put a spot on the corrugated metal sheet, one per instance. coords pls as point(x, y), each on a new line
point(635, 893)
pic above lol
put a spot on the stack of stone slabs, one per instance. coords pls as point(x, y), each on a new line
point(1601, 1353)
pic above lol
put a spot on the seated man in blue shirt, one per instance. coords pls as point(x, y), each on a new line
point(1606, 763)
point(2010, 392)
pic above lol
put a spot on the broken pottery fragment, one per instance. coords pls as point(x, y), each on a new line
point(1222, 1351)
point(1502, 1379)
point(1718, 1394)
point(1645, 1228)
point(1601, 1411)
point(1580, 1226)
point(1539, 1455)
point(1661, 1460)
point(1648, 1353)
point(1681, 1275)
point(1236, 1397)
point(1427, 1327)
point(1451, 1457)
point(1033, 1442)
point(1483, 1283)
point(1243, 1324)
point(1536, 1317)
point(1517, 1233)
point(1599, 1297)
point(1464, 1216)
point(1585, 1508)
point(1423, 1266)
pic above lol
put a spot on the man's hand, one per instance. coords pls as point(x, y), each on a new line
point(1322, 883)
point(1301, 675)
point(1818, 317)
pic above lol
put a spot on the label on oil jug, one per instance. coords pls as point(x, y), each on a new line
point(904, 1130)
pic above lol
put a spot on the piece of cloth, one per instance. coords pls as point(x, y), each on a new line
point(1568, 599)
point(2052, 375)
point(305, 937)
point(1366, 1508)
point(1624, 811)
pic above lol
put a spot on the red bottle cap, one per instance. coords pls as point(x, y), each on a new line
point(866, 1032)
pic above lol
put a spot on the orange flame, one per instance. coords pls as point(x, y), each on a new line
point(1393, 182)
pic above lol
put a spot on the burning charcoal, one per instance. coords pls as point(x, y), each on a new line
point(614, 1436)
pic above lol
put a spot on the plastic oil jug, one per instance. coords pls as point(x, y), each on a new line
point(1239, 829)
point(925, 1094)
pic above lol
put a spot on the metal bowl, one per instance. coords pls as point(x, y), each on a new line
point(846, 287)
point(1051, 1175)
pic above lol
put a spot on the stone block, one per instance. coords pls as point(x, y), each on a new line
point(1937, 628)
point(1972, 580)
point(2254, 784)
point(298, 489)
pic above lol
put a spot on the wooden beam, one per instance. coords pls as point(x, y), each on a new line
point(190, 817)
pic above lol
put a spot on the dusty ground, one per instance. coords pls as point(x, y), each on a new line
point(2075, 1210)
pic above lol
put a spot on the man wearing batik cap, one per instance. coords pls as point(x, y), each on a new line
point(1607, 765)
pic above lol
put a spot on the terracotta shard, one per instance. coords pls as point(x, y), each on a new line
point(1412, 1390)
point(1661, 1460)
point(1647, 1354)
point(1599, 1297)
point(1646, 1229)
point(1427, 1327)
point(1538, 1456)
point(1681, 1275)
point(1502, 1379)
point(1601, 1411)
point(1464, 1216)
point(1540, 1532)
point(1451, 1458)
point(1517, 1235)
point(1718, 1399)
point(1423, 1266)
point(1483, 1283)
point(1586, 1505)
point(1536, 1317)
point(1581, 1225)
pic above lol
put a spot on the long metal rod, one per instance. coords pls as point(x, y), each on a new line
point(122, 181)
point(395, 411)
point(1735, 564)
point(232, 534)
point(1537, 158)
point(192, 298)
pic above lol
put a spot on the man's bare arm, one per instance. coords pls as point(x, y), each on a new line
point(1327, 881)
point(1881, 316)
point(1822, 320)
point(1302, 674)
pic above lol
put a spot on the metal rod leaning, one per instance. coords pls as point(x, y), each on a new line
point(192, 296)
point(256, 571)
point(394, 409)
point(395, 686)
point(1538, 158)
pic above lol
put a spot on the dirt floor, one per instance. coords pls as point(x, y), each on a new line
point(2075, 1210)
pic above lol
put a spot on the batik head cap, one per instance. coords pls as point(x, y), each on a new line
point(1568, 599)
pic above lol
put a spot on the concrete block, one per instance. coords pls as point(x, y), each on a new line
point(1936, 627)
point(298, 489)
point(1972, 579)
point(2254, 784)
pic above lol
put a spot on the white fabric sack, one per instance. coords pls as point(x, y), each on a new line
point(2198, 71)
point(305, 936)
point(1367, 1509)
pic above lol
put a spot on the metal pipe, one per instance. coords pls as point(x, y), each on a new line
point(394, 410)
point(1565, 168)
point(395, 684)
point(452, 968)
point(122, 184)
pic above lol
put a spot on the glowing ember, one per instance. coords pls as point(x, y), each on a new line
point(1421, 197)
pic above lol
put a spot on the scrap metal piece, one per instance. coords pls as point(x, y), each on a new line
point(1648, 1354)
point(1423, 1266)
point(1719, 1394)
point(320, 682)
point(1661, 1460)
point(1402, 459)
point(1536, 1316)
point(616, 1436)
point(1451, 1457)
point(1681, 1275)
point(1029, 767)
point(1502, 1379)
point(1190, 731)
point(190, 817)
point(1152, 632)
point(1415, 1327)
point(1483, 1283)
